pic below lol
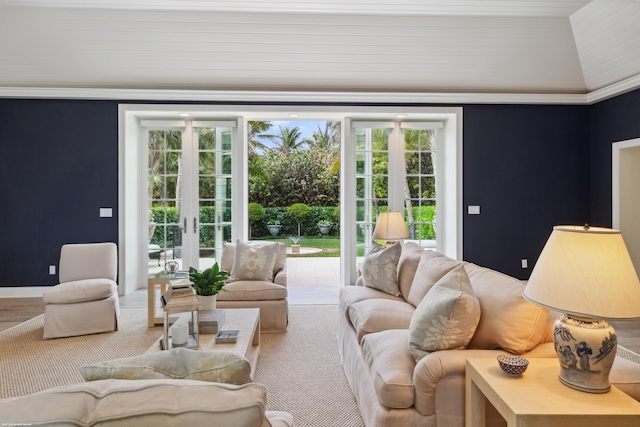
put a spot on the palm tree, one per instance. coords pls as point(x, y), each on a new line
point(256, 130)
point(289, 139)
point(329, 137)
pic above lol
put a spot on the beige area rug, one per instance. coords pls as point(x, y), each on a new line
point(302, 370)
point(29, 364)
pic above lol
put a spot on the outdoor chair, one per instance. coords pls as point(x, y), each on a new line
point(86, 299)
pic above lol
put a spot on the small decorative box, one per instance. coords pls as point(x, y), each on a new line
point(210, 323)
point(224, 337)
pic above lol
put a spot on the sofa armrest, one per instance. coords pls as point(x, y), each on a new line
point(281, 277)
point(435, 367)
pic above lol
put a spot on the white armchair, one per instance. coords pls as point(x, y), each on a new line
point(86, 299)
point(269, 295)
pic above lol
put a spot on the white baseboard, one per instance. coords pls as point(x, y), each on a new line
point(23, 292)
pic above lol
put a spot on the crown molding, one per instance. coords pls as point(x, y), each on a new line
point(296, 97)
point(615, 89)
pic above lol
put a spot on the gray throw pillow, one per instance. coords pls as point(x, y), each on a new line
point(446, 318)
point(380, 268)
point(177, 363)
point(254, 262)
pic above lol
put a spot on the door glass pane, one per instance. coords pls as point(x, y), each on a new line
point(214, 192)
point(165, 197)
point(420, 185)
point(372, 181)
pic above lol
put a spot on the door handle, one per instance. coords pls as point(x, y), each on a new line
point(184, 228)
point(195, 225)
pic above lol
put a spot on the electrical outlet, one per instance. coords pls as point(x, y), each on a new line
point(52, 270)
point(525, 263)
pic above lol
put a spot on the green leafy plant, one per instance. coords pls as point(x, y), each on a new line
point(299, 211)
point(273, 222)
point(209, 282)
point(324, 222)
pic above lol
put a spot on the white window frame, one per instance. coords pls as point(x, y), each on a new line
point(131, 188)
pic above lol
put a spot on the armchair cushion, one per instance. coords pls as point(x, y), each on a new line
point(254, 262)
point(252, 290)
point(229, 253)
point(177, 363)
point(379, 268)
point(447, 317)
point(80, 291)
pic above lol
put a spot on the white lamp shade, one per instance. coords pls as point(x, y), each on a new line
point(390, 226)
point(586, 272)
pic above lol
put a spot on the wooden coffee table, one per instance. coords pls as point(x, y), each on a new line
point(245, 320)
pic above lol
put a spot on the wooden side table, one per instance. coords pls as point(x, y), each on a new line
point(154, 311)
point(538, 398)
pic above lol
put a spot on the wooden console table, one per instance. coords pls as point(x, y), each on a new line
point(538, 398)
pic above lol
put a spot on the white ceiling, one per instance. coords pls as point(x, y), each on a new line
point(454, 46)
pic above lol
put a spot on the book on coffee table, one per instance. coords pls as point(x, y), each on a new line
point(230, 336)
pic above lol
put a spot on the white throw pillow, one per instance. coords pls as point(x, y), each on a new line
point(447, 317)
point(380, 268)
point(254, 262)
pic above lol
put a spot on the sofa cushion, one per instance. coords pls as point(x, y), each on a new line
point(254, 262)
point(80, 291)
point(391, 367)
point(229, 254)
point(379, 314)
point(252, 290)
point(350, 295)
point(380, 268)
point(407, 266)
point(446, 318)
point(177, 363)
point(431, 268)
point(144, 403)
point(508, 321)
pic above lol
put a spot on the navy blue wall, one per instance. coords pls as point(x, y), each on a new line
point(59, 166)
point(616, 119)
point(529, 167)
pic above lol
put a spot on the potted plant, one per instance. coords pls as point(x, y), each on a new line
point(274, 226)
point(324, 225)
point(207, 284)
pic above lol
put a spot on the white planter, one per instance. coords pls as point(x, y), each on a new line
point(208, 302)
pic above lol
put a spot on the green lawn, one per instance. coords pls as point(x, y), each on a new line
point(330, 245)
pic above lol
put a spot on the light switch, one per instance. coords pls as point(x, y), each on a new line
point(52, 270)
point(106, 212)
point(473, 210)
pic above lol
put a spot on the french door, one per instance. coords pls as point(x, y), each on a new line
point(395, 169)
point(189, 192)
